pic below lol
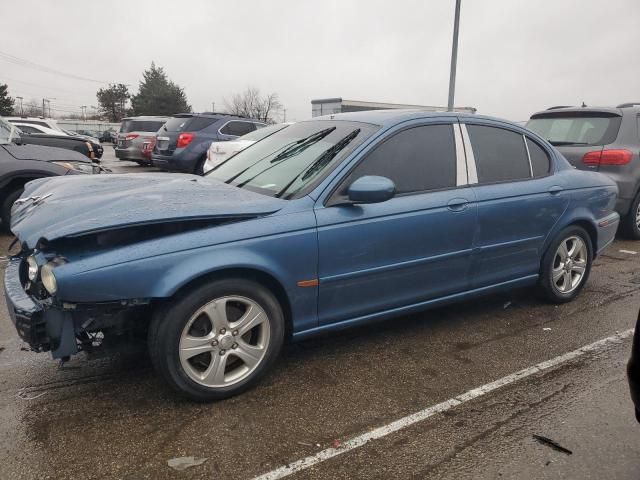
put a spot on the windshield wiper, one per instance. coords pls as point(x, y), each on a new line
point(321, 162)
point(302, 144)
point(289, 152)
point(560, 143)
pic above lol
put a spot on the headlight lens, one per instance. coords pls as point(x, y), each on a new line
point(47, 276)
point(49, 279)
point(32, 271)
point(78, 166)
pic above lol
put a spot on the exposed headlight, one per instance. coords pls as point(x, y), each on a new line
point(48, 277)
point(32, 271)
point(79, 166)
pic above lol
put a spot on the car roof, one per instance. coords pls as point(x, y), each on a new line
point(393, 116)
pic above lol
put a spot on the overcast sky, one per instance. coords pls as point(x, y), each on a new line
point(515, 56)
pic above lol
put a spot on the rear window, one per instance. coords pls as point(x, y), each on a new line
point(574, 129)
point(141, 126)
point(237, 128)
point(188, 124)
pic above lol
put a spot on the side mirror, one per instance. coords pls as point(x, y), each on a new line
point(371, 189)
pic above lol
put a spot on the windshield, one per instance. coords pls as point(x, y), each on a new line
point(8, 132)
point(291, 161)
point(573, 129)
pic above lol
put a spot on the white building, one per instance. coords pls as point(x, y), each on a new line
point(329, 106)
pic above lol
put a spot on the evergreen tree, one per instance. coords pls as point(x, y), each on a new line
point(157, 95)
point(6, 102)
point(113, 101)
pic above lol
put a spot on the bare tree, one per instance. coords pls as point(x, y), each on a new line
point(32, 108)
point(252, 104)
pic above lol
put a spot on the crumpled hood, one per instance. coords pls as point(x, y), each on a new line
point(58, 207)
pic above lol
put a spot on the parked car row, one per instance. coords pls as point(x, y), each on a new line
point(321, 225)
point(21, 163)
point(43, 131)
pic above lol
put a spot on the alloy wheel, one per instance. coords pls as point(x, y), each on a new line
point(569, 264)
point(224, 341)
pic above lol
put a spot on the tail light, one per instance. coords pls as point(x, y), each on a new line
point(607, 157)
point(184, 139)
point(131, 136)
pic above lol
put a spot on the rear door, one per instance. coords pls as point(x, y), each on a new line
point(519, 202)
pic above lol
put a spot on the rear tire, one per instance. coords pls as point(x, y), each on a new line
point(200, 167)
point(217, 340)
point(632, 220)
point(566, 265)
point(5, 208)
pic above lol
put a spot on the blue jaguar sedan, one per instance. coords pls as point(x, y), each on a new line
point(332, 222)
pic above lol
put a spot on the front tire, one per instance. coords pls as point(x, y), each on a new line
point(5, 208)
point(217, 340)
point(566, 265)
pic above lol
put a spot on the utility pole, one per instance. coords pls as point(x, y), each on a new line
point(213, 106)
point(84, 116)
point(21, 111)
point(284, 114)
point(454, 58)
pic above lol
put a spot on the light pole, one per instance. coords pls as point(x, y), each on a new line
point(21, 111)
point(84, 116)
point(44, 111)
point(454, 58)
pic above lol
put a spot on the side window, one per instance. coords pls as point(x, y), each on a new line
point(500, 154)
point(238, 128)
point(540, 162)
point(198, 123)
point(28, 129)
point(417, 159)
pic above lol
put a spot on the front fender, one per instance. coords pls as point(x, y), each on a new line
point(287, 258)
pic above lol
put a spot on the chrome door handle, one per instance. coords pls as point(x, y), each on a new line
point(457, 204)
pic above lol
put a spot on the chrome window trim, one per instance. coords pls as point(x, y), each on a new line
point(524, 139)
point(471, 160)
point(462, 176)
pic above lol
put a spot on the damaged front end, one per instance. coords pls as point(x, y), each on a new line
point(63, 328)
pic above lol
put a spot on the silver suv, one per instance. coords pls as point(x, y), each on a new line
point(134, 132)
point(604, 139)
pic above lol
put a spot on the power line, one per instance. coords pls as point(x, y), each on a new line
point(42, 68)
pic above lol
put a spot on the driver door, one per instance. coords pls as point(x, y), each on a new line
point(374, 258)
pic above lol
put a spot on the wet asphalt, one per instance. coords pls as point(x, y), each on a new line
point(114, 418)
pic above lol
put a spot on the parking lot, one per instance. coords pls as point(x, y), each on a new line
point(114, 418)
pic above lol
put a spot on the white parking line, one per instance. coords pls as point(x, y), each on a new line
point(421, 415)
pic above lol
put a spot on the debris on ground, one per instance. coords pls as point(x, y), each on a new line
point(25, 395)
point(182, 463)
point(305, 444)
point(546, 329)
point(553, 444)
point(337, 443)
point(506, 305)
point(630, 252)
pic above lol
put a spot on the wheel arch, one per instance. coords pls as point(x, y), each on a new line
point(262, 277)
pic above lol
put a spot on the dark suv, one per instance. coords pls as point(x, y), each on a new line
point(605, 139)
point(182, 142)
